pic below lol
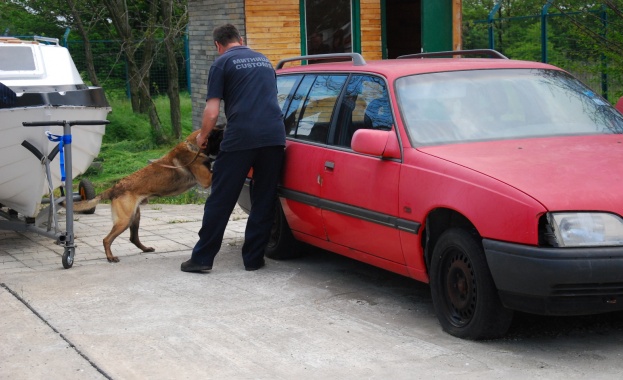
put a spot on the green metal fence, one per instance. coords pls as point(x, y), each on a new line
point(111, 67)
point(554, 38)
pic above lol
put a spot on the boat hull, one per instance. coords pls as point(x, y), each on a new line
point(22, 176)
point(40, 83)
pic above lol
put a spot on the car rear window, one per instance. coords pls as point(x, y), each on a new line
point(310, 112)
point(286, 85)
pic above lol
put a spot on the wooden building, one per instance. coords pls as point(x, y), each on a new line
point(377, 29)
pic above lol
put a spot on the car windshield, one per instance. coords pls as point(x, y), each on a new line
point(482, 105)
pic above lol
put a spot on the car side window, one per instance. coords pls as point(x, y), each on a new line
point(292, 114)
point(286, 84)
point(315, 112)
point(365, 104)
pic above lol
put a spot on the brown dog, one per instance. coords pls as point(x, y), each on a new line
point(177, 171)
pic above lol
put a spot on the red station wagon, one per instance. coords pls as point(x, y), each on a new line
point(498, 182)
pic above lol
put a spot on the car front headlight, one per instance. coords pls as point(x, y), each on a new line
point(582, 229)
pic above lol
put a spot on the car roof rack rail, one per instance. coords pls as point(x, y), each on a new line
point(356, 58)
point(488, 52)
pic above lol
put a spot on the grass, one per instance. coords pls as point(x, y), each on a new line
point(129, 144)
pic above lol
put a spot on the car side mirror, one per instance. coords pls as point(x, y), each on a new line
point(376, 143)
point(619, 105)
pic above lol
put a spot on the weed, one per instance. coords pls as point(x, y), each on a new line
point(175, 221)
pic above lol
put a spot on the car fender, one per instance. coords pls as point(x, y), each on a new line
point(497, 210)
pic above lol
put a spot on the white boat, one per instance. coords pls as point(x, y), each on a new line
point(48, 87)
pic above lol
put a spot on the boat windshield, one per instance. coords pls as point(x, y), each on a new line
point(16, 58)
point(482, 105)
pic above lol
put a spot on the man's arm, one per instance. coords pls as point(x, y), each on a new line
point(210, 117)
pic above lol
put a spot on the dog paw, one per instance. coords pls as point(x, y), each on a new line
point(113, 259)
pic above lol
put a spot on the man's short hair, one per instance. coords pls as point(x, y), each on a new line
point(226, 34)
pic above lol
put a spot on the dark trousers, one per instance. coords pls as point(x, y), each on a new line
point(230, 171)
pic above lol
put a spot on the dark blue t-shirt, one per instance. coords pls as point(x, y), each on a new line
point(245, 80)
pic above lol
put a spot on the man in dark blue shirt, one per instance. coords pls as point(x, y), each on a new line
point(254, 138)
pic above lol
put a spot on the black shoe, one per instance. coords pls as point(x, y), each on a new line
point(254, 267)
point(190, 266)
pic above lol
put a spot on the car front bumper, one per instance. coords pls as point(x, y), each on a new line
point(557, 281)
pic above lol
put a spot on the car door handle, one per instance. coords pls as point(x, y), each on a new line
point(329, 165)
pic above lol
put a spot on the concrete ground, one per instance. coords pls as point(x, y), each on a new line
point(320, 316)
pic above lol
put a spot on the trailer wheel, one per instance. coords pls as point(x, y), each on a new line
point(87, 192)
point(68, 257)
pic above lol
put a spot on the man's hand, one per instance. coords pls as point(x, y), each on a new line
point(202, 141)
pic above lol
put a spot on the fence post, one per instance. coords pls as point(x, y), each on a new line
point(490, 17)
point(187, 60)
point(544, 12)
point(65, 38)
point(604, 60)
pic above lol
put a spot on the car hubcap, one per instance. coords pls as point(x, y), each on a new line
point(460, 289)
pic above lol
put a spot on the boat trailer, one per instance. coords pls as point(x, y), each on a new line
point(46, 222)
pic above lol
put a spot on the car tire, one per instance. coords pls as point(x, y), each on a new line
point(464, 295)
point(281, 245)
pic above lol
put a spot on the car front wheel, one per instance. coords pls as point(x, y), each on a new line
point(463, 292)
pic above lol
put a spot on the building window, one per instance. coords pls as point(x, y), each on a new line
point(328, 26)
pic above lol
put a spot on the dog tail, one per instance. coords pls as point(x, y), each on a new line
point(86, 205)
point(91, 203)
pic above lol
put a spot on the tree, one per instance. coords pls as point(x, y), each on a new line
point(138, 72)
point(86, 16)
point(83, 29)
point(18, 19)
point(593, 41)
point(598, 24)
point(172, 26)
point(138, 24)
point(582, 37)
point(162, 18)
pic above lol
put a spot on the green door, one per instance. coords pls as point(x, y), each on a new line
point(436, 25)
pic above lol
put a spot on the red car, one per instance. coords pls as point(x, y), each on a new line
point(496, 181)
